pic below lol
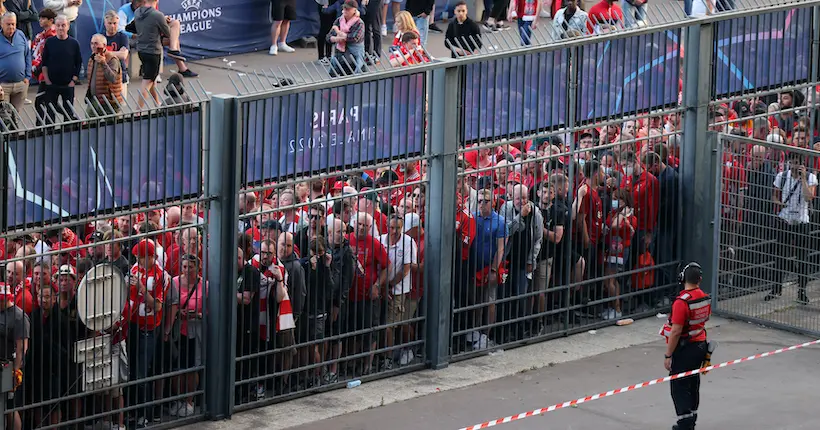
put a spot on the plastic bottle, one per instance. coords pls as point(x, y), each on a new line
point(354, 384)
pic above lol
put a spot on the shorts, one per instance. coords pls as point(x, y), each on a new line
point(310, 328)
point(149, 69)
point(118, 352)
point(392, 1)
point(15, 399)
point(410, 307)
point(396, 309)
point(543, 272)
point(283, 10)
point(334, 328)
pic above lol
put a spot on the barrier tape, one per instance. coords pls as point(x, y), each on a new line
point(555, 407)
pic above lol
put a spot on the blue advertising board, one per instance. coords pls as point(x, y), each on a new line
point(74, 171)
point(762, 51)
point(629, 75)
point(333, 128)
point(515, 95)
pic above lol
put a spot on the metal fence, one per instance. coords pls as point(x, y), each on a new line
point(320, 229)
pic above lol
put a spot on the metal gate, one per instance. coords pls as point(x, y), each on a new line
point(768, 231)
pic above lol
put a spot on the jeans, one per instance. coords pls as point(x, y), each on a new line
point(423, 25)
point(141, 348)
point(687, 7)
point(633, 13)
point(525, 30)
point(46, 103)
point(349, 62)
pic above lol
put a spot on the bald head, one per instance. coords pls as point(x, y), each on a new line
point(284, 246)
point(15, 272)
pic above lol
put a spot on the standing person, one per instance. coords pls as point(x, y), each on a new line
point(526, 13)
point(327, 15)
point(104, 79)
point(463, 35)
point(117, 43)
point(348, 35)
point(794, 189)
point(495, 12)
point(282, 12)
point(248, 285)
point(420, 10)
point(15, 62)
point(62, 61)
point(26, 14)
point(686, 344)
point(604, 17)
point(372, 29)
point(69, 8)
point(47, 17)
point(569, 21)
point(396, 5)
point(150, 25)
point(343, 266)
point(14, 343)
point(634, 13)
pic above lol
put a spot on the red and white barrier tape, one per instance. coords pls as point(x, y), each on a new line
point(528, 414)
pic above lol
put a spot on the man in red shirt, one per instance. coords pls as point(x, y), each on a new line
point(588, 214)
point(646, 197)
point(369, 285)
point(687, 348)
point(604, 17)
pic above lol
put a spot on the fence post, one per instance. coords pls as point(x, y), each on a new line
point(699, 217)
point(223, 217)
point(444, 119)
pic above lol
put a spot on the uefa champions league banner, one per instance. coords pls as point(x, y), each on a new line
point(335, 128)
point(99, 167)
point(763, 51)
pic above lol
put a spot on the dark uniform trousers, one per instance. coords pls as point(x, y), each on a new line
point(686, 391)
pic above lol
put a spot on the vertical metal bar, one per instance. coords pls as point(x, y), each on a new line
point(573, 58)
point(223, 185)
point(717, 142)
point(815, 70)
point(698, 210)
point(445, 105)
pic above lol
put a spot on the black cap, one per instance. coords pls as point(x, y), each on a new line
point(387, 177)
point(97, 236)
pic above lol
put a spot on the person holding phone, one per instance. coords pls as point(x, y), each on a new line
point(794, 189)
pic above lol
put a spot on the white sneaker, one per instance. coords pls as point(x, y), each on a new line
point(384, 30)
point(406, 357)
point(482, 343)
point(185, 410)
point(274, 50)
point(285, 48)
point(118, 427)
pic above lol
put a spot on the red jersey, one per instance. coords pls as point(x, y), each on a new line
point(371, 259)
point(466, 232)
point(619, 238)
point(407, 58)
point(23, 297)
point(592, 210)
point(156, 282)
point(734, 180)
point(647, 199)
point(682, 314)
point(268, 282)
point(603, 13)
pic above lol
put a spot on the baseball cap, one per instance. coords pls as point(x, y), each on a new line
point(411, 220)
point(514, 177)
point(65, 269)
point(350, 4)
point(97, 236)
point(144, 248)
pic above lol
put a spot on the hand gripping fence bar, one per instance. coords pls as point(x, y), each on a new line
point(555, 407)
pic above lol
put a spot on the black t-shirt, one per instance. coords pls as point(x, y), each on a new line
point(250, 280)
point(557, 214)
point(14, 325)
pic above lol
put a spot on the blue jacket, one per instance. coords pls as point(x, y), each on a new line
point(15, 58)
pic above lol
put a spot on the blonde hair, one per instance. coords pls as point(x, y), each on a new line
point(405, 22)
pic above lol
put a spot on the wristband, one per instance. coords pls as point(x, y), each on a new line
point(667, 356)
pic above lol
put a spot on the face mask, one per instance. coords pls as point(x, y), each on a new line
point(615, 203)
point(582, 161)
point(629, 171)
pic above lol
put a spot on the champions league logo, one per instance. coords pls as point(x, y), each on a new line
point(194, 18)
point(191, 4)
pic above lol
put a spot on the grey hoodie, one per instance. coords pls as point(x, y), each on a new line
point(151, 26)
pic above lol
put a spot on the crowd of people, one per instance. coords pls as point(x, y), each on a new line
point(52, 59)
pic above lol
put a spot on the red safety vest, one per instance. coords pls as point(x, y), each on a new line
point(700, 310)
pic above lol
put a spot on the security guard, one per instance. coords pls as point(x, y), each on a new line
point(687, 348)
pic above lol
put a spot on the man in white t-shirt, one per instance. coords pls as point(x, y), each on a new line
point(794, 189)
point(402, 253)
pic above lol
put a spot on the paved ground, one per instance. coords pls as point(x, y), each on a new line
point(765, 394)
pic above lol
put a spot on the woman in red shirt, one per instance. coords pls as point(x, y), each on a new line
point(621, 223)
point(404, 24)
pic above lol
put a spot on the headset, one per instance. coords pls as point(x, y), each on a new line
point(692, 265)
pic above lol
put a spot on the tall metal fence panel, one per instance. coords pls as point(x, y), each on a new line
point(358, 218)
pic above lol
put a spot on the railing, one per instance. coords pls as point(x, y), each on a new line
point(505, 188)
